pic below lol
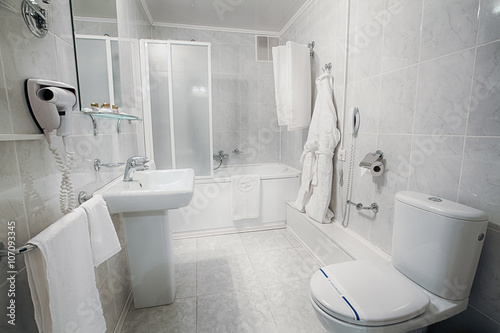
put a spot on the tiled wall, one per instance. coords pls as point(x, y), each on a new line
point(243, 109)
point(425, 76)
point(29, 178)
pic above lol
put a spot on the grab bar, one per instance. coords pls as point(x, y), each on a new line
point(359, 206)
point(17, 251)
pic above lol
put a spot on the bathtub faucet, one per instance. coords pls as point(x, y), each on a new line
point(221, 155)
point(134, 163)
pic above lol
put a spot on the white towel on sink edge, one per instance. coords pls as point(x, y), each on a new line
point(245, 197)
point(103, 237)
point(62, 279)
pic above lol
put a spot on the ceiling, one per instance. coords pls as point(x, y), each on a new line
point(251, 15)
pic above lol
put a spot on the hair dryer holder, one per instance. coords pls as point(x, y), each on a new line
point(48, 115)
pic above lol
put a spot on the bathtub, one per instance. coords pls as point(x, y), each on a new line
point(210, 212)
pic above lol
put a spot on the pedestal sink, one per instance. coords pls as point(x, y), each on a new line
point(145, 202)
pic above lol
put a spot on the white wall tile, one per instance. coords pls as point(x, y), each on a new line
point(402, 35)
point(489, 27)
point(435, 165)
point(480, 184)
point(484, 111)
point(443, 93)
point(397, 101)
point(448, 26)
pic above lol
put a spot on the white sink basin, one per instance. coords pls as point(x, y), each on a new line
point(150, 190)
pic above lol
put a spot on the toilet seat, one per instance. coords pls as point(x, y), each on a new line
point(367, 293)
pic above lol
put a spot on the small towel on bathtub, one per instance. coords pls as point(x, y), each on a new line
point(103, 238)
point(245, 197)
point(62, 280)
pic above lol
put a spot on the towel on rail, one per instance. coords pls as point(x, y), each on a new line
point(61, 277)
point(292, 77)
point(245, 197)
point(103, 236)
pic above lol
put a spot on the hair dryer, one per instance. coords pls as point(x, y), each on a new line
point(50, 104)
point(63, 100)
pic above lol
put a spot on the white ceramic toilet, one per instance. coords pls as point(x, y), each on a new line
point(436, 246)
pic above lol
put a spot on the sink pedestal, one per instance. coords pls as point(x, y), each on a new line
point(151, 257)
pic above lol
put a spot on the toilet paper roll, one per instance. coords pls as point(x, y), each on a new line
point(377, 169)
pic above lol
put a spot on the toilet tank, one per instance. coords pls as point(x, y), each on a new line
point(437, 243)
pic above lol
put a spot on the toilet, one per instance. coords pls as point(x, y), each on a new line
point(436, 246)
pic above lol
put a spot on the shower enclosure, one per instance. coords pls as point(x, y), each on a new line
point(178, 104)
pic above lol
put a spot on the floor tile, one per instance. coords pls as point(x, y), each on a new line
point(220, 275)
point(185, 250)
point(291, 308)
point(235, 312)
point(291, 238)
point(264, 241)
point(219, 246)
point(179, 316)
point(185, 280)
point(280, 266)
point(308, 258)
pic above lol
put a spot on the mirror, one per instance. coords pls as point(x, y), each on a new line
point(97, 52)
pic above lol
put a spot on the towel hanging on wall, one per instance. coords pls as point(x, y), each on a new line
point(292, 80)
point(317, 169)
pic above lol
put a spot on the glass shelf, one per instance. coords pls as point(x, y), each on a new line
point(105, 114)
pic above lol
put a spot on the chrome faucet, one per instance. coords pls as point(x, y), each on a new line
point(135, 163)
point(221, 155)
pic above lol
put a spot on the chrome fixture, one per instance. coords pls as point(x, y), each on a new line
point(311, 48)
point(83, 196)
point(359, 206)
point(327, 67)
point(134, 163)
point(237, 151)
point(35, 17)
point(98, 164)
point(16, 251)
point(221, 156)
point(371, 158)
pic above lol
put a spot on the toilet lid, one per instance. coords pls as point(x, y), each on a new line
point(367, 293)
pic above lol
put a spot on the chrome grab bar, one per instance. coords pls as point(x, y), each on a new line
point(359, 206)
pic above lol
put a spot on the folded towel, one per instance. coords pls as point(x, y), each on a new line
point(281, 83)
point(62, 280)
point(299, 75)
point(245, 197)
point(103, 238)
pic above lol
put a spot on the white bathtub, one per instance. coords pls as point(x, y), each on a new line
point(209, 212)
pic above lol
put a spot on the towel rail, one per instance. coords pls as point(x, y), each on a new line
point(17, 251)
point(311, 48)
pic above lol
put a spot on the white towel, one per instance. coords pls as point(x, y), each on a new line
point(245, 197)
point(292, 85)
point(299, 69)
point(281, 83)
point(103, 237)
point(62, 280)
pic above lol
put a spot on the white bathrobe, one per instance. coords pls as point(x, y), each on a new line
point(317, 170)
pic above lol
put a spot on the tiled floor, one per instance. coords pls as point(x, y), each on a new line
point(247, 282)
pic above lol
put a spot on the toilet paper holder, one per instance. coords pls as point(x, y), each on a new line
point(371, 158)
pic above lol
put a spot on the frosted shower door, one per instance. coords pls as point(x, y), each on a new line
point(191, 107)
point(159, 101)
